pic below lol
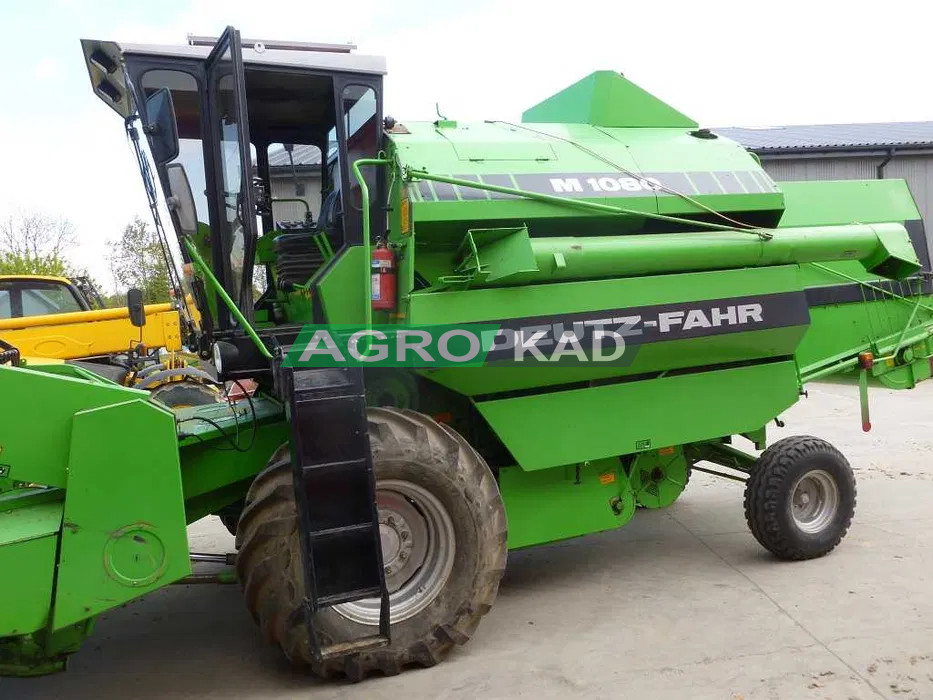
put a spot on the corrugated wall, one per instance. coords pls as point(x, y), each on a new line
point(822, 168)
point(917, 170)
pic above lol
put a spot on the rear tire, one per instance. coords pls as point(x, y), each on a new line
point(408, 448)
point(230, 519)
point(800, 498)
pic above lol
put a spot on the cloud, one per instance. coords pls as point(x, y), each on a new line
point(724, 62)
point(47, 69)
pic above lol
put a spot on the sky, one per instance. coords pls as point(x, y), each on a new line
point(724, 63)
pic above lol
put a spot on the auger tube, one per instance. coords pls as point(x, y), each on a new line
point(876, 246)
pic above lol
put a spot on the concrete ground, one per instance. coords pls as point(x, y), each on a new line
point(681, 603)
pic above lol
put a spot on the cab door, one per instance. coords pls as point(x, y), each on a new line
point(233, 244)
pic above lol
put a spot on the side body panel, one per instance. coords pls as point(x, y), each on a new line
point(618, 419)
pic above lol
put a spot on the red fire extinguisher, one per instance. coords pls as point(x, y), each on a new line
point(384, 277)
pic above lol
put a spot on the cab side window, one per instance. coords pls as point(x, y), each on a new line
point(187, 102)
point(360, 121)
point(54, 299)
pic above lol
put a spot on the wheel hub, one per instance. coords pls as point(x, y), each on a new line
point(814, 501)
point(418, 549)
point(403, 532)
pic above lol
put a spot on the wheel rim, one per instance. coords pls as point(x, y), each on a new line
point(418, 548)
point(814, 501)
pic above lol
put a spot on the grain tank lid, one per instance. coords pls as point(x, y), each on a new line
point(606, 98)
point(639, 168)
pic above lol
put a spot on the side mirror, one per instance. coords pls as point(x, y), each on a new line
point(181, 201)
point(134, 304)
point(161, 127)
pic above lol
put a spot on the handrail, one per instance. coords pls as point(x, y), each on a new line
point(869, 285)
point(367, 252)
point(411, 173)
point(222, 293)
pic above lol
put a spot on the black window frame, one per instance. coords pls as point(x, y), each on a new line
point(137, 65)
point(197, 67)
point(352, 221)
point(16, 287)
point(230, 40)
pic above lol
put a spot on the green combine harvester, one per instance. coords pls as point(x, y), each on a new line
point(373, 507)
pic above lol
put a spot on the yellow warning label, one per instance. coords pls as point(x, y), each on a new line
point(405, 213)
point(666, 451)
point(607, 478)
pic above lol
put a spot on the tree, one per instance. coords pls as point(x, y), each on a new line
point(35, 244)
point(136, 261)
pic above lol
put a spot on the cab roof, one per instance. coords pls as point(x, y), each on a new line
point(258, 54)
point(37, 278)
point(105, 62)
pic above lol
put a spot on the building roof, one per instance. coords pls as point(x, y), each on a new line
point(833, 137)
point(304, 156)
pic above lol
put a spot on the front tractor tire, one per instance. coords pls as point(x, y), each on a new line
point(800, 498)
point(444, 547)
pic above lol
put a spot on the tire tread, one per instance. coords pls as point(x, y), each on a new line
point(763, 502)
point(267, 532)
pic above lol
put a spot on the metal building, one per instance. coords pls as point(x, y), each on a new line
point(295, 175)
point(848, 152)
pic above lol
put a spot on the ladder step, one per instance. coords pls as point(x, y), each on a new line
point(315, 398)
point(348, 596)
point(327, 431)
point(338, 531)
point(322, 380)
point(314, 470)
point(357, 646)
point(337, 497)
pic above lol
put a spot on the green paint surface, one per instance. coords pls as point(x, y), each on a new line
point(28, 539)
point(618, 419)
point(568, 501)
point(606, 98)
point(124, 523)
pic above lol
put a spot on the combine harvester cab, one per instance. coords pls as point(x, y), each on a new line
point(370, 503)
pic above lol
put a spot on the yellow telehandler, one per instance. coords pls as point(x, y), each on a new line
point(56, 319)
